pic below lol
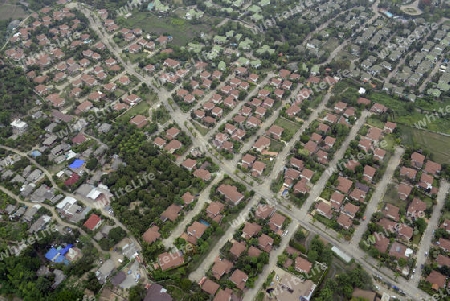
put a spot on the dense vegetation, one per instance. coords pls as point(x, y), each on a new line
point(16, 96)
point(341, 287)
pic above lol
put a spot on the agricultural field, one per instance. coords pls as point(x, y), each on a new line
point(181, 30)
point(435, 143)
point(10, 10)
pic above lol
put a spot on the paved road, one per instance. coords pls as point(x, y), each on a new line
point(85, 202)
point(202, 200)
point(209, 260)
point(263, 190)
point(54, 215)
point(427, 236)
point(378, 195)
point(301, 216)
point(252, 292)
point(250, 96)
point(281, 158)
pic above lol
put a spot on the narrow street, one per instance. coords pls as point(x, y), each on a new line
point(202, 200)
point(427, 237)
point(212, 255)
point(378, 195)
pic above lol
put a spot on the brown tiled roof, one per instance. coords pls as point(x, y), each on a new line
point(406, 232)
point(237, 248)
point(264, 211)
point(344, 185)
point(303, 265)
point(404, 190)
point(432, 167)
point(444, 244)
point(188, 198)
point(151, 235)
point(210, 287)
point(324, 208)
point(171, 212)
point(196, 229)
point(408, 172)
point(223, 295)
point(437, 280)
point(239, 278)
point(254, 252)
point(350, 209)
point(221, 267)
point(344, 221)
point(231, 193)
point(398, 250)
point(168, 260)
point(251, 229)
point(416, 206)
point(443, 260)
point(392, 212)
point(417, 159)
point(381, 243)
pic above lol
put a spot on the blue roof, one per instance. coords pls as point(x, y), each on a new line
point(36, 153)
point(66, 249)
point(51, 254)
point(76, 164)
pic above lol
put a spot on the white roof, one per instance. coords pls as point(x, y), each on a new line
point(17, 123)
point(341, 254)
point(362, 90)
point(94, 194)
point(408, 252)
point(46, 218)
point(71, 154)
point(67, 200)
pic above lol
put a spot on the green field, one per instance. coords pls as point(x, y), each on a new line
point(290, 128)
point(8, 9)
point(139, 109)
point(406, 113)
point(435, 143)
point(181, 31)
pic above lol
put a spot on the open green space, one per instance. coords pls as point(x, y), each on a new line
point(408, 113)
point(435, 143)
point(139, 109)
point(181, 31)
point(290, 128)
point(9, 9)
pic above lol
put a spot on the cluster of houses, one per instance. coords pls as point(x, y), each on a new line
point(169, 142)
point(380, 64)
point(224, 266)
point(436, 278)
point(198, 169)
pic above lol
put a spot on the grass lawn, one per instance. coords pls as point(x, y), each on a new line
point(200, 128)
point(181, 31)
point(9, 10)
point(405, 117)
point(445, 215)
point(139, 109)
point(290, 128)
point(375, 122)
point(432, 142)
point(416, 239)
point(276, 146)
point(391, 197)
point(136, 57)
